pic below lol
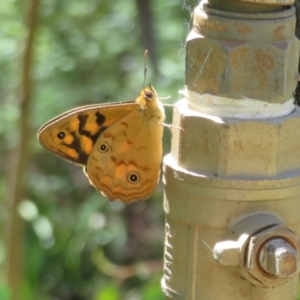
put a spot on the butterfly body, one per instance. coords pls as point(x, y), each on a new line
point(120, 145)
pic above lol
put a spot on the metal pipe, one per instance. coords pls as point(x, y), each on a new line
point(232, 180)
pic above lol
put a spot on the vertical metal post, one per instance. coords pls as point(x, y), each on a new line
point(232, 180)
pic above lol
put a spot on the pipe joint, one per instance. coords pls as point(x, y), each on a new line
point(243, 55)
point(265, 250)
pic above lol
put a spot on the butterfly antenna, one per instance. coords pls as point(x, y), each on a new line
point(145, 67)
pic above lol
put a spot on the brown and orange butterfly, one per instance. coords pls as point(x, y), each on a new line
point(118, 144)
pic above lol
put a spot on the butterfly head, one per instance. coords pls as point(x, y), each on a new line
point(149, 93)
point(148, 97)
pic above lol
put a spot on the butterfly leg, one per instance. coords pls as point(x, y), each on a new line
point(171, 127)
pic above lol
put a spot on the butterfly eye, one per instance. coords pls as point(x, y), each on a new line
point(61, 135)
point(133, 177)
point(103, 147)
point(148, 95)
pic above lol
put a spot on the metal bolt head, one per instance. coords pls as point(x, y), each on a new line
point(277, 257)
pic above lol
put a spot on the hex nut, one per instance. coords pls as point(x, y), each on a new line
point(257, 241)
point(241, 57)
point(232, 147)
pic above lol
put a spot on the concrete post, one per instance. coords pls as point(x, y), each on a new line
point(232, 180)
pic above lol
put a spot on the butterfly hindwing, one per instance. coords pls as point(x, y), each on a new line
point(125, 161)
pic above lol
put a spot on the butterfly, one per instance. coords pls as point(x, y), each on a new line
point(118, 144)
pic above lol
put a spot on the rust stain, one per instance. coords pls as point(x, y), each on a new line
point(238, 145)
point(210, 25)
point(264, 65)
point(239, 71)
point(292, 25)
point(278, 32)
point(242, 29)
point(236, 57)
point(265, 61)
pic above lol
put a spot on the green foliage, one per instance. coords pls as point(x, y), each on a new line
point(4, 293)
point(85, 52)
point(109, 292)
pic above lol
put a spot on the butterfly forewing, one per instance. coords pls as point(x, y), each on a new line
point(73, 134)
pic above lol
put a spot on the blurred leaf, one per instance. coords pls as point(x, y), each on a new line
point(153, 292)
point(5, 293)
point(109, 292)
point(43, 228)
point(28, 210)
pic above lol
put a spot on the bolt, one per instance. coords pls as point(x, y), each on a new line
point(228, 253)
point(278, 257)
